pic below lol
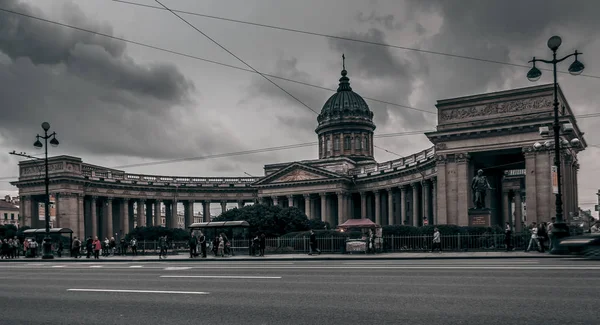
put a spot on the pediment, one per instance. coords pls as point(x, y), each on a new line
point(297, 175)
point(298, 172)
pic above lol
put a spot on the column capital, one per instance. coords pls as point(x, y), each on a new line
point(376, 192)
point(362, 193)
point(322, 194)
point(290, 196)
point(462, 157)
point(158, 201)
point(94, 197)
point(306, 196)
point(191, 201)
point(206, 201)
point(109, 199)
point(403, 188)
point(223, 201)
point(142, 201)
point(125, 199)
point(341, 193)
point(426, 183)
point(390, 189)
point(414, 185)
point(274, 197)
point(528, 151)
point(433, 181)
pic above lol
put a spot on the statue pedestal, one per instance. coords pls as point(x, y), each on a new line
point(480, 217)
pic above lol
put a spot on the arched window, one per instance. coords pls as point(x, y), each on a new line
point(358, 143)
point(336, 143)
point(328, 144)
point(347, 143)
point(367, 147)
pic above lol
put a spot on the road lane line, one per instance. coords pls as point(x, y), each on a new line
point(221, 276)
point(177, 268)
point(137, 266)
point(58, 265)
point(96, 266)
point(140, 291)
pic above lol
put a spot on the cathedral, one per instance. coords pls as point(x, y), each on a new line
point(495, 132)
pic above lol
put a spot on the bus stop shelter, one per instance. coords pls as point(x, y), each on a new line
point(236, 231)
point(56, 234)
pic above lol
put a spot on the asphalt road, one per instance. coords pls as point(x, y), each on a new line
point(517, 291)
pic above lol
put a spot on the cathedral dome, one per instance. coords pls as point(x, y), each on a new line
point(345, 125)
point(345, 106)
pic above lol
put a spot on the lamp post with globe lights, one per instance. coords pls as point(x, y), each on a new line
point(47, 245)
point(560, 228)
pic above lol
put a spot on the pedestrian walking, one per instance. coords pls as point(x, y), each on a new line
point(550, 230)
point(75, 247)
point(437, 240)
point(133, 246)
point(97, 244)
point(313, 243)
point(262, 244)
point(162, 242)
point(193, 245)
point(89, 247)
point(508, 237)
point(202, 242)
point(534, 237)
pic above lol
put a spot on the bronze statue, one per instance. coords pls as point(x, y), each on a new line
point(480, 185)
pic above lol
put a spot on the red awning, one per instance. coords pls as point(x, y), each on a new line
point(359, 223)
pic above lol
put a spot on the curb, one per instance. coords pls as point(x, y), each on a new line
point(282, 259)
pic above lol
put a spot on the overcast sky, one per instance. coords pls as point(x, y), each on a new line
point(114, 104)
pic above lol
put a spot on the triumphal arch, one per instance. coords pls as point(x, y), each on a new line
point(493, 132)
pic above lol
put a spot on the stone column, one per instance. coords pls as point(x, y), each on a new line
point(94, 213)
point(307, 206)
point(80, 216)
point(377, 207)
point(141, 217)
point(157, 222)
point(390, 206)
point(323, 197)
point(56, 223)
point(25, 210)
point(223, 206)
point(518, 212)
point(425, 190)
point(505, 207)
point(402, 204)
point(363, 205)
point(416, 206)
point(240, 204)
point(441, 195)
point(124, 216)
point(206, 211)
point(275, 200)
point(174, 215)
point(290, 201)
point(342, 214)
point(188, 214)
point(108, 218)
point(434, 218)
point(464, 188)
point(530, 183)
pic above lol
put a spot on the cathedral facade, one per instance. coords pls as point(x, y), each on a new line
point(494, 132)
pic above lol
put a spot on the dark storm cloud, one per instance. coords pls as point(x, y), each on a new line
point(99, 100)
point(388, 20)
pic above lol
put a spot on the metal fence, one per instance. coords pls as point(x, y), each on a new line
point(331, 244)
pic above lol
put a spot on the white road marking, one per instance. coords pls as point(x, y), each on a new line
point(440, 263)
point(177, 268)
point(137, 266)
point(96, 266)
point(35, 264)
point(221, 276)
point(140, 291)
point(58, 265)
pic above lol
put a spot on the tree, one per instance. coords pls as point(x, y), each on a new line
point(272, 220)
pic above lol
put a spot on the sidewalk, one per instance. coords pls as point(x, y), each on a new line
point(303, 257)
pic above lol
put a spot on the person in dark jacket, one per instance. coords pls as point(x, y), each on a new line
point(193, 245)
point(202, 243)
point(262, 244)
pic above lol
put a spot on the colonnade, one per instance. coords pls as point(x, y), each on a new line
point(408, 204)
point(104, 216)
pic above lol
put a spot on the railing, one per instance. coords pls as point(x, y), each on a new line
point(390, 244)
point(515, 172)
point(116, 175)
point(396, 164)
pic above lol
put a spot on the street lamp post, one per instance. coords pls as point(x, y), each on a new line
point(560, 228)
point(47, 245)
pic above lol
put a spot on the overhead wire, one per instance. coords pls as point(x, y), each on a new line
point(299, 31)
